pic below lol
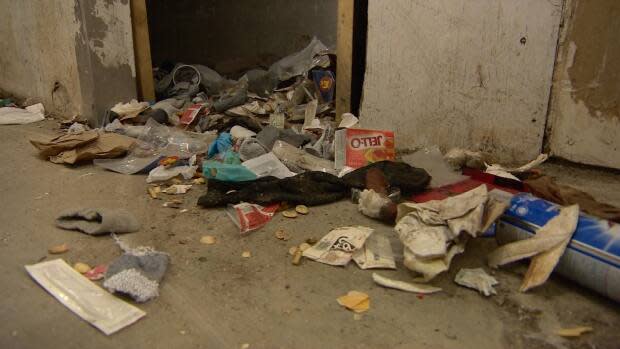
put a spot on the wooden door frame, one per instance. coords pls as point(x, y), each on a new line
point(142, 51)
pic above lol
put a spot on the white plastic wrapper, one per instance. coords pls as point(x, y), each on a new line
point(89, 301)
point(268, 165)
point(298, 160)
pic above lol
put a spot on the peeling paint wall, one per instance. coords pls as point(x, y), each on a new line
point(460, 73)
point(75, 55)
point(584, 121)
point(37, 56)
point(233, 35)
point(104, 49)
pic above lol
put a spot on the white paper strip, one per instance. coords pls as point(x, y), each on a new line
point(83, 297)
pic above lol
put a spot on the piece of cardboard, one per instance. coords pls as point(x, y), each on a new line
point(359, 147)
point(55, 145)
point(107, 145)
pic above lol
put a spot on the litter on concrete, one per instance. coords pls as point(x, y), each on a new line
point(18, 116)
point(545, 248)
point(339, 245)
point(98, 221)
point(477, 279)
point(93, 304)
point(137, 272)
point(404, 286)
point(356, 301)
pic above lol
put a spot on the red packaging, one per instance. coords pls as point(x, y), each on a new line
point(191, 112)
point(248, 217)
point(358, 147)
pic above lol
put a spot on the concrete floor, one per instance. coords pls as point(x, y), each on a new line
point(213, 298)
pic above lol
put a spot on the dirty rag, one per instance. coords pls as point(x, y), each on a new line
point(98, 221)
point(311, 188)
point(137, 273)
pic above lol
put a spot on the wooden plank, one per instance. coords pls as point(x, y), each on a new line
point(142, 50)
point(344, 52)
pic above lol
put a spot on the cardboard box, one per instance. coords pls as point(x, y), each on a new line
point(359, 147)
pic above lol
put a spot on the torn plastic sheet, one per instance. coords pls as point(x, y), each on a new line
point(298, 63)
point(268, 165)
point(161, 173)
point(90, 302)
point(339, 245)
point(249, 217)
point(18, 116)
point(130, 164)
point(434, 163)
point(167, 141)
point(297, 160)
point(376, 254)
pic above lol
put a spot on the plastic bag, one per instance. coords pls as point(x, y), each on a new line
point(226, 172)
point(298, 63)
point(18, 116)
point(172, 142)
point(268, 165)
point(161, 173)
point(297, 160)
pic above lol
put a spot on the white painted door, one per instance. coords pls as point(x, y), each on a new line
point(461, 73)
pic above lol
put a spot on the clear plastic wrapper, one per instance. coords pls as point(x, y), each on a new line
point(268, 165)
point(90, 302)
point(298, 160)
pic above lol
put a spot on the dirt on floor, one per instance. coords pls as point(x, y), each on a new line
point(211, 297)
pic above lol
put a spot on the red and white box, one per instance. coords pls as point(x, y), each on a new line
point(359, 147)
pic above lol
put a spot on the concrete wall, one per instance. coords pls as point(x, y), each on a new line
point(104, 48)
point(38, 55)
point(74, 55)
point(234, 35)
point(461, 73)
point(585, 111)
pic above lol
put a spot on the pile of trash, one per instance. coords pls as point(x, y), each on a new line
point(268, 143)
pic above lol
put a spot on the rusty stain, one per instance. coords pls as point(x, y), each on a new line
point(595, 71)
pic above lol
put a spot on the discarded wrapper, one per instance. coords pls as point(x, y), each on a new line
point(477, 279)
point(90, 302)
point(376, 254)
point(191, 112)
point(338, 246)
point(248, 217)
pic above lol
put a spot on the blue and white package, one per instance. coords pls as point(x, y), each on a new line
point(592, 258)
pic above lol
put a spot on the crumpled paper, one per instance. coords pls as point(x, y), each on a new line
point(435, 231)
point(477, 279)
